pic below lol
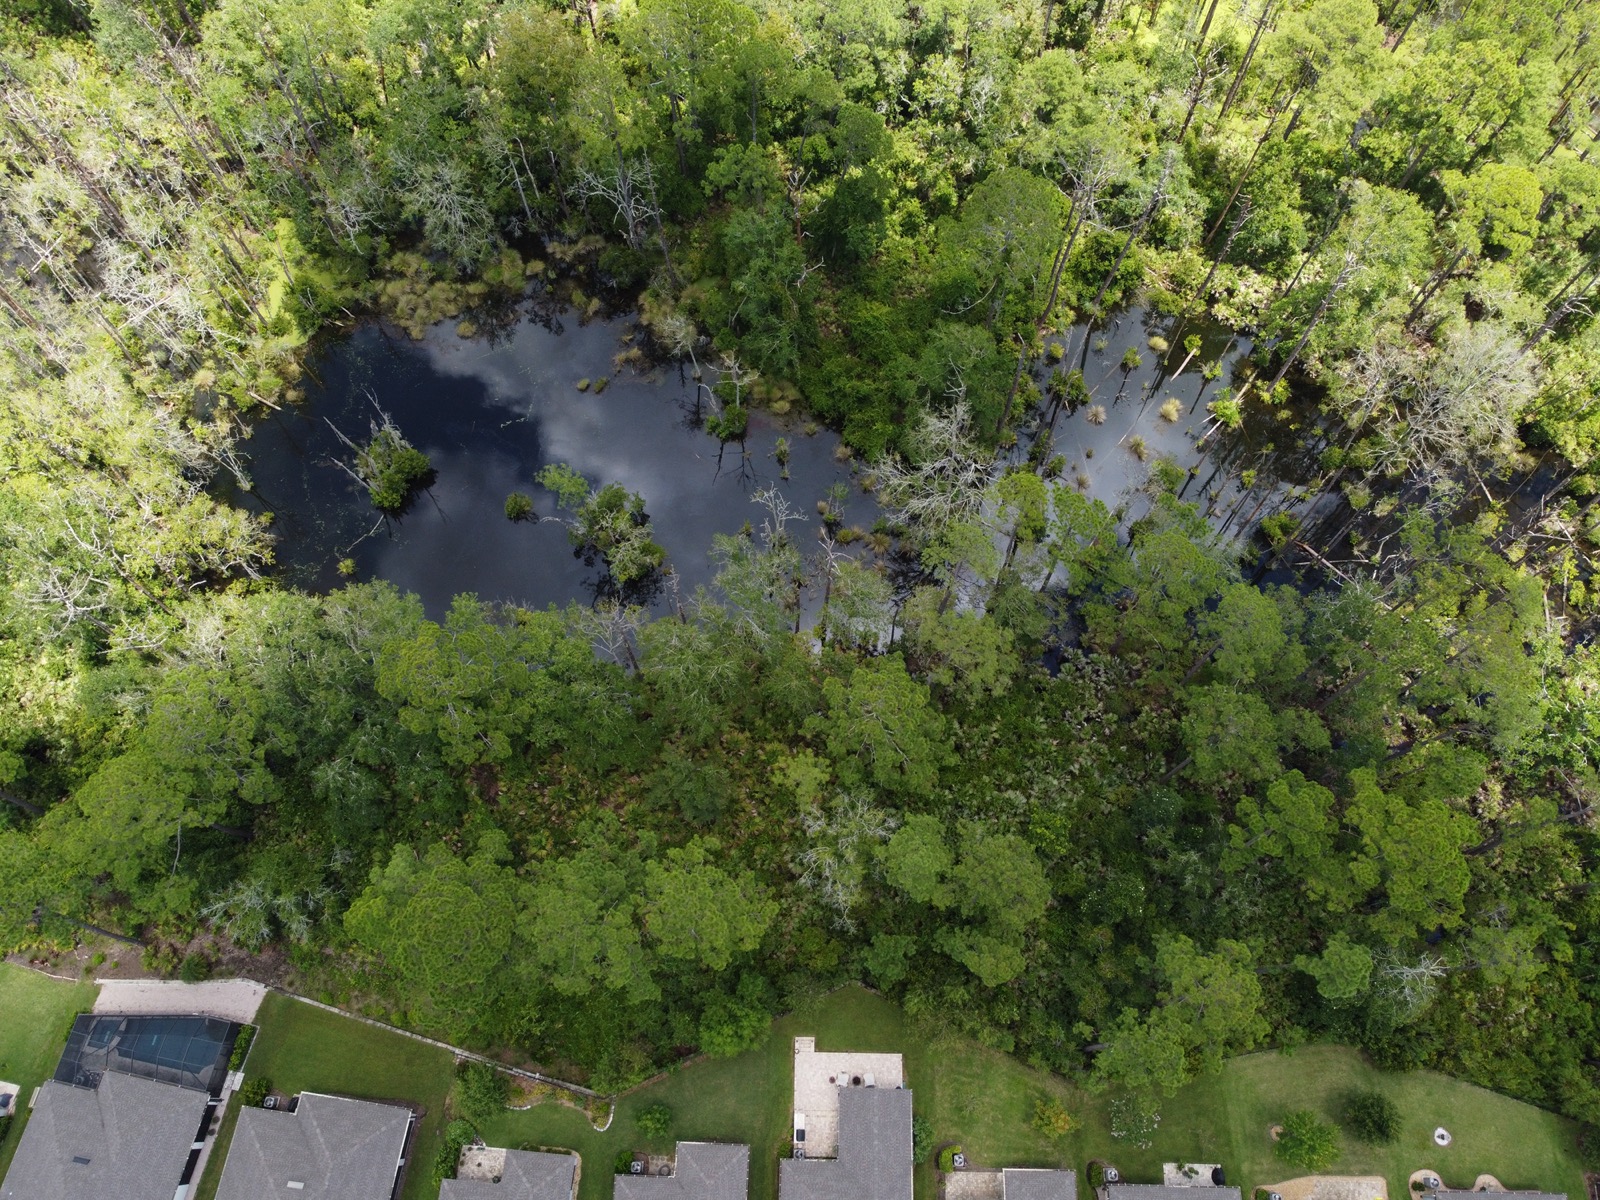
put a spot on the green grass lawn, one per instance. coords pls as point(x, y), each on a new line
point(301, 1048)
point(979, 1097)
point(983, 1097)
point(985, 1100)
point(35, 1014)
point(1226, 1118)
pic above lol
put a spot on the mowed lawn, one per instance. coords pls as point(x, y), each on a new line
point(978, 1095)
point(1227, 1118)
point(303, 1048)
point(35, 1014)
point(985, 1100)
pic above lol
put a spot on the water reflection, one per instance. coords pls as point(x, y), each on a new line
point(490, 416)
point(491, 412)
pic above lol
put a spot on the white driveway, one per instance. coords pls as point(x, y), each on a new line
point(230, 999)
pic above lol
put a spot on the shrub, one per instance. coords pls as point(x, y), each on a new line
point(241, 1047)
point(1051, 1118)
point(1131, 360)
point(253, 1091)
point(481, 1091)
point(519, 506)
point(623, 1163)
point(457, 1135)
point(1097, 1174)
point(947, 1158)
point(1589, 1147)
point(194, 968)
point(5, 1128)
point(1307, 1142)
point(1372, 1118)
point(921, 1138)
point(655, 1121)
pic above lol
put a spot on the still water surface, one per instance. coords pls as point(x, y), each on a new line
point(490, 413)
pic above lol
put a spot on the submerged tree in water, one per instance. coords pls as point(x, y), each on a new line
point(610, 523)
point(389, 467)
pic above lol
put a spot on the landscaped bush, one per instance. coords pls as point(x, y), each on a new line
point(1097, 1174)
point(457, 1134)
point(253, 1091)
point(1307, 1142)
point(1589, 1147)
point(481, 1091)
point(947, 1158)
point(5, 1128)
point(194, 968)
point(623, 1163)
point(655, 1121)
point(1051, 1118)
point(921, 1138)
point(241, 1047)
point(1372, 1117)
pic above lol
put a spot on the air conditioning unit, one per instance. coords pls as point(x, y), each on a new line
point(1112, 1176)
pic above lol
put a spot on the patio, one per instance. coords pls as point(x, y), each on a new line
point(818, 1076)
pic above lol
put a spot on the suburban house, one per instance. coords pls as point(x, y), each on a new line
point(852, 1127)
point(327, 1148)
point(127, 1112)
point(124, 1137)
point(490, 1173)
point(702, 1171)
point(1169, 1191)
point(1468, 1194)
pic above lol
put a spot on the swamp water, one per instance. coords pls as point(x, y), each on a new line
point(491, 412)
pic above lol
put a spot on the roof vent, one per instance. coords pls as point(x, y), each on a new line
point(80, 1160)
point(296, 1185)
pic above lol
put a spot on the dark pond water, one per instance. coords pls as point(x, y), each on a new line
point(490, 416)
point(490, 413)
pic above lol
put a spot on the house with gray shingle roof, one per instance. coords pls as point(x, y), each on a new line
point(328, 1148)
point(703, 1171)
point(1028, 1183)
point(517, 1175)
point(1162, 1191)
point(874, 1155)
point(126, 1137)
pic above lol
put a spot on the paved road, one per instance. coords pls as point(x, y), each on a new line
point(230, 999)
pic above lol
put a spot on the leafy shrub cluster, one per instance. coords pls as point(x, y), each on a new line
point(481, 1091)
point(1307, 1141)
point(241, 1047)
point(1372, 1117)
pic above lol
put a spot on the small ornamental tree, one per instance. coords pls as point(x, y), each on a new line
point(1307, 1142)
point(1051, 1118)
point(1372, 1118)
point(655, 1121)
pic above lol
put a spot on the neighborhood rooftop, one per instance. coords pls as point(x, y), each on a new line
point(704, 1171)
point(874, 1160)
point(518, 1175)
point(329, 1148)
point(127, 1138)
point(1026, 1183)
point(1464, 1193)
point(1162, 1191)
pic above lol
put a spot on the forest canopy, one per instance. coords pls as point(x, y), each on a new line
point(1121, 790)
